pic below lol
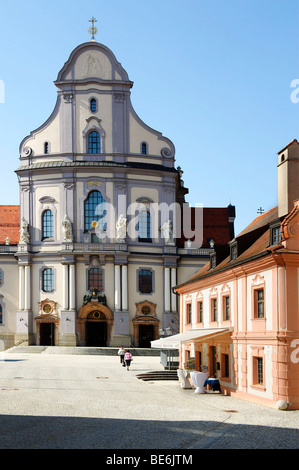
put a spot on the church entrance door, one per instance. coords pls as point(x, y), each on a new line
point(47, 334)
point(146, 335)
point(96, 333)
point(95, 323)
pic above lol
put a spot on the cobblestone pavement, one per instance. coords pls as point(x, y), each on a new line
point(52, 401)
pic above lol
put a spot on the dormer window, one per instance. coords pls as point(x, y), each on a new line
point(275, 235)
point(234, 251)
point(213, 261)
point(93, 105)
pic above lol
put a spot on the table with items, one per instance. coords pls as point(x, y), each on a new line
point(213, 383)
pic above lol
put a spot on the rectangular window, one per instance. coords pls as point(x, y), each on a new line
point(48, 280)
point(259, 303)
point(144, 226)
point(275, 235)
point(226, 308)
point(214, 310)
point(95, 279)
point(189, 313)
point(225, 365)
point(1, 315)
point(200, 312)
point(260, 371)
point(145, 281)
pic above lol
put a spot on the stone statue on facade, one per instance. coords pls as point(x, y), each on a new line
point(67, 229)
point(167, 232)
point(24, 232)
point(121, 229)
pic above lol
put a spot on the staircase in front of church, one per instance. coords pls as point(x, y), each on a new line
point(21, 349)
point(158, 375)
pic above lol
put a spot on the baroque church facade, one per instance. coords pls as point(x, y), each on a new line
point(93, 252)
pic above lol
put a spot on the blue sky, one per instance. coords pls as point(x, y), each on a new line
point(214, 76)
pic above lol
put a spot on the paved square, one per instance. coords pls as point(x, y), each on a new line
point(51, 401)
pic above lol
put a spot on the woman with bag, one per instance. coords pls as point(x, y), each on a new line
point(128, 358)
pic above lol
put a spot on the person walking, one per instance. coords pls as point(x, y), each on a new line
point(128, 358)
point(121, 354)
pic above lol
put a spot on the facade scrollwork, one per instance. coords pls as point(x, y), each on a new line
point(166, 153)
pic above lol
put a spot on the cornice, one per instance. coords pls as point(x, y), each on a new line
point(96, 164)
point(263, 261)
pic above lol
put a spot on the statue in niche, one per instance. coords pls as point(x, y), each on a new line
point(24, 232)
point(67, 229)
point(167, 232)
point(121, 229)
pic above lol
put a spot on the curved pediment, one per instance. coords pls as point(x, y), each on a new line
point(94, 61)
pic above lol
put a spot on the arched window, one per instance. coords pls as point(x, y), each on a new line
point(144, 226)
point(93, 105)
point(94, 211)
point(47, 225)
point(46, 147)
point(48, 280)
point(95, 279)
point(94, 142)
point(143, 148)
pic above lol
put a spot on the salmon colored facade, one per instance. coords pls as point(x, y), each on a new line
point(250, 299)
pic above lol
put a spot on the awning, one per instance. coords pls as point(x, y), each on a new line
point(173, 342)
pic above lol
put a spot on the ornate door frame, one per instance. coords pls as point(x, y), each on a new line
point(145, 315)
point(47, 314)
point(83, 313)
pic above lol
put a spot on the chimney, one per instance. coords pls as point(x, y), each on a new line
point(288, 178)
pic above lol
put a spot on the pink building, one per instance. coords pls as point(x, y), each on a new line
point(239, 314)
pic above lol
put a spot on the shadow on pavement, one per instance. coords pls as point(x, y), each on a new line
point(36, 432)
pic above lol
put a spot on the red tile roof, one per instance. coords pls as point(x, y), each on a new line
point(10, 224)
point(215, 221)
point(257, 241)
point(261, 221)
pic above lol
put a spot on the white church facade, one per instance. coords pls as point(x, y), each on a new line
point(91, 255)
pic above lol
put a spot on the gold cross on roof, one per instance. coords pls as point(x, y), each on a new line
point(93, 30)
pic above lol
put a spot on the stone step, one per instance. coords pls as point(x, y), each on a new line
point(79, 350)
point(158, 375)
